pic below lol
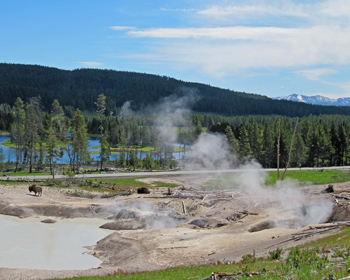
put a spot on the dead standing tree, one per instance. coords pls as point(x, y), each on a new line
point(290, 150)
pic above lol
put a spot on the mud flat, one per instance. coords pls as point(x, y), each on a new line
point(192, 226)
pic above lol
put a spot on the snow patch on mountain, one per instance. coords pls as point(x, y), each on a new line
point(317, 100)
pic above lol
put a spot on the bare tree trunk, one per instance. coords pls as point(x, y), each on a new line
point(278, 150)
point(290, 150)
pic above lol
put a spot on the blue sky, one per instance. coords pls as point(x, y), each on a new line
point(272, 48)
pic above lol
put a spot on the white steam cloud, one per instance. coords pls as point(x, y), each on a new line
point(210, 152)
point(143, 212)
point(174, 112)
point(126, 110)
point(285, 203)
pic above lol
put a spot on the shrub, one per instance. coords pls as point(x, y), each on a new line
point(275, 254)
point(248, 259)
point(297, 258)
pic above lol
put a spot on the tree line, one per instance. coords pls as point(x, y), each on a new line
point(302, 142)
point(80, 88)
point(40, 137)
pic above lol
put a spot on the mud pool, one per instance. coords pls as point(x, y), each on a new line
point(28, 243)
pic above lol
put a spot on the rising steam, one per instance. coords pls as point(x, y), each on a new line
point(285, 202)
point(173, 112)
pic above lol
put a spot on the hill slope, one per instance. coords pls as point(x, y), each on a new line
point(80, 88)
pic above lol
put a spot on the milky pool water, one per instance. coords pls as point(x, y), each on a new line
point(28, 243)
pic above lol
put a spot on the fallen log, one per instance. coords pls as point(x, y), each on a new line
point(247, 212)
point(184, 207)
point(224, 275)
point(341, 196)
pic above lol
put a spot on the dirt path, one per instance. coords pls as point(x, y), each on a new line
point(214, 228)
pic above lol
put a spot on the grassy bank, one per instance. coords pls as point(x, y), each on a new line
point(301, 177)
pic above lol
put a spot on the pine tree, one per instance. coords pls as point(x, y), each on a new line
point(231, 139)
point(78, 151)
point(32, 129)
point(244, 145)
point(51, 148)
point(105, 148)
point(18, 129)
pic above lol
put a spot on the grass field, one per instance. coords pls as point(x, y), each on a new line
point(301, 177)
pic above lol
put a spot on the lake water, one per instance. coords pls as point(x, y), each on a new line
point(10, 154)
point(28, 243)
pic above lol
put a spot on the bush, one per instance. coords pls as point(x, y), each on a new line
point(275, 254)
point(248, 259)
point(297, 258)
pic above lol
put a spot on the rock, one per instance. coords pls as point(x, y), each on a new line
point(199, 222)
point(49, 221)
point(123, 225)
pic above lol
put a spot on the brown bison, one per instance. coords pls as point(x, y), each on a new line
point(36, 189)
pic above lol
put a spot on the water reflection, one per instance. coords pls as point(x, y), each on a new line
point(10, 153)
point(28, 243)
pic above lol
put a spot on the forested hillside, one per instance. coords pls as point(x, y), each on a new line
point(80, 88)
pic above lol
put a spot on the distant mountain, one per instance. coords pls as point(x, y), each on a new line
point(317, 100)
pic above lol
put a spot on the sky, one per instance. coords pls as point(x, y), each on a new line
point(272, 48)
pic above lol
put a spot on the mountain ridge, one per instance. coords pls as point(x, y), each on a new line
point(316, 100)
point(80, 88)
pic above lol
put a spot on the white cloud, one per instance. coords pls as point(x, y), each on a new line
point(91, 63)
point(231, 12)
point(320, 38)
point(315, 74)
point(316, 12)
point(223, 51)
point(177, 10)
point(226, 33)
point(335, 8)
point(122, 28)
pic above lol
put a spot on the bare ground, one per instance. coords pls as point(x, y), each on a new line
point(218, 225)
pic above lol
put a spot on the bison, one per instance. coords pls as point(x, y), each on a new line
point(36, 189)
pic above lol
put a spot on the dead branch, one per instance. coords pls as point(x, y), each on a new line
point(247, 212)
point(301, 235)
point(184, 207)
point(290, 150)
point(341, 196)
point(210, 209)
point(224, 275)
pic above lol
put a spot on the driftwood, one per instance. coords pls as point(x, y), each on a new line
point(184, 207)
point(247, 212)
point(310, 232)
point(341, 196)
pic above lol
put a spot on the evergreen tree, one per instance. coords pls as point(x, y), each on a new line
point(255, 140)
point(32, 130)
point(197, 127)
point(51, 148)
point(231, 139)
point(244, 145)
point(58, 121)
point(18, 129)
point(268, 148)
point(78, 150)
point(105, 149)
